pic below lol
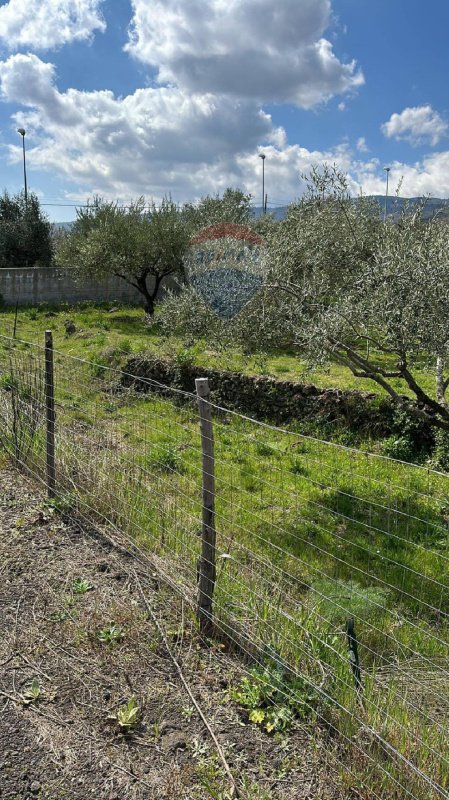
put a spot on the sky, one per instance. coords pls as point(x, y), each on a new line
point(123, 98)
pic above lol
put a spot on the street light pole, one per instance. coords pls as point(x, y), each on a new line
point(263, 157)
point(22, 133)
point(387, 170)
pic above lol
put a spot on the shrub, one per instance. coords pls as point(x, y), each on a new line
point(440, 456)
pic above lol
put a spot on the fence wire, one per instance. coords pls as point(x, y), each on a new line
point(313, 540)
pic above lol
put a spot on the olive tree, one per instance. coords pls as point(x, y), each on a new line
point(138, 244)
point(233, 206)
point(371, 296)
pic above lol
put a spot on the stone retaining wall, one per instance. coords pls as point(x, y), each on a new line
point(268, 398)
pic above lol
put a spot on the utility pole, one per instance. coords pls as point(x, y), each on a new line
point(263, 157)
point(387, 170)
point(22, 133)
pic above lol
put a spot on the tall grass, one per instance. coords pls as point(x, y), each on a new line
point(308, 534)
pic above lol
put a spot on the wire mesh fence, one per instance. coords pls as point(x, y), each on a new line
point(327, 567)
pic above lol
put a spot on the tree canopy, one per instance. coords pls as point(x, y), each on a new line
point(140, 244)
point(343, 286)
point(370, 295)
point(25, 232)
point(232, 206)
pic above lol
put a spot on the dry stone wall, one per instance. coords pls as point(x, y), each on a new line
point(267, 398)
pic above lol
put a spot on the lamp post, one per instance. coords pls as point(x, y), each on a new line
point(387, 170)
point(263, 157)
point(22, 133)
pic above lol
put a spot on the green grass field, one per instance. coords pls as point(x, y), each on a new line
point(309, 533)
point(102, 334)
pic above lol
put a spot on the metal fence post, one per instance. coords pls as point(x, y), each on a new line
point(50, 414)
point(354, 653)
point(206, 567)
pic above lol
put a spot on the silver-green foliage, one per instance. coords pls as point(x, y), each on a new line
point(140, 244)
point(232, 206)
point(369, 295)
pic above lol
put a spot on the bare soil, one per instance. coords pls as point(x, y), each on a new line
point(66, 743)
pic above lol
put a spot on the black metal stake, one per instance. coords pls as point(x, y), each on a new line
point(354, 654)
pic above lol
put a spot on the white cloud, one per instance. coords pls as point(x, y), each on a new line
point(152, 141)
point(362, 146)
point(430, 176)
point(44, 24)
point(416, 125)
point(247, 48)
point(165, 139)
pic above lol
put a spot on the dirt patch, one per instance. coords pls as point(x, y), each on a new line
point(75, 627)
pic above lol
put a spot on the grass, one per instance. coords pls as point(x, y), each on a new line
point(308, 534)
point(108, 337)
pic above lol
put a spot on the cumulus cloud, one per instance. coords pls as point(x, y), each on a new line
point(44, 24)
point(429, 176)
point(166, 139)
point(152, 141)
point(417, 125)
point(247, 48)
point(283, 166)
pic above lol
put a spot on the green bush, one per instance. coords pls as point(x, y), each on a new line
point(273, 700)
point(411, 438)
point(440, 455)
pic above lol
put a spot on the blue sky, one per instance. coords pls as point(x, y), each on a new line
point(130, 97)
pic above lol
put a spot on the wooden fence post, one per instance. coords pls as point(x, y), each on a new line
point(206, 567)
point(50, 414)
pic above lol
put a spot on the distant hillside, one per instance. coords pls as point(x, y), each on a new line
point(395, 206)
point(65, 226)
point(433, 205)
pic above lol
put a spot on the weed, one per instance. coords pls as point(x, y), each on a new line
point(80, 637)
point(272, 700)
point(58, 616)
point(261, 363)
point(440, 456)
point(8, 382)
point(63, 504)
point(81, 586)
point(199, 748)
point(110, 635)
point(32, 693)
point(297, 468)
point(99, 366)
point(264, 449)
point(254, 792)
point(187, 712)
point(167, 458)
point(127, 715)
point(156, 731)
point(126, 346)
point(185, 357)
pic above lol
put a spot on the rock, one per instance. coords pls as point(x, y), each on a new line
point(35, 786)
point(173, 741)
point(70, 327)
